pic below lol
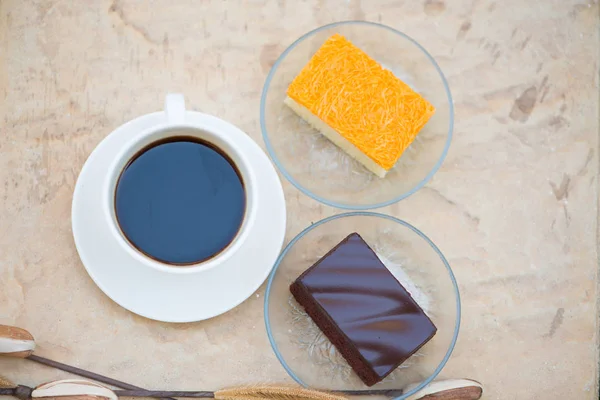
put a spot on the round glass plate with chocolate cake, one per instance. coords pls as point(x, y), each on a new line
point(362, 301)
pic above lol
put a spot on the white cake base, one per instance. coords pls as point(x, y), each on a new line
point(335, 137)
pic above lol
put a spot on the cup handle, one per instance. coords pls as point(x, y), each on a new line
point(175, 108)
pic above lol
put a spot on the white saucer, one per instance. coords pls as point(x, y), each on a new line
point(175, 297)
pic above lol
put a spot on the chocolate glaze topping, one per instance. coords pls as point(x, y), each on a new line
point(351, 291)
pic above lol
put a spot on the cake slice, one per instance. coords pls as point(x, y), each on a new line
point(357, 104)
point(363, 310)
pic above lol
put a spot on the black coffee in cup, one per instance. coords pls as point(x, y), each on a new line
point(180, 200)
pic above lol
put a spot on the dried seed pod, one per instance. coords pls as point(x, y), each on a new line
point(15, 342)
point(451, 389)
point(6, 383)
point(274, 393)
point(73, 389)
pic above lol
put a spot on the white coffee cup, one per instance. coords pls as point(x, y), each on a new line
point(206, 128)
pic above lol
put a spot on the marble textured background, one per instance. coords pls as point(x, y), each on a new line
point(514, 207)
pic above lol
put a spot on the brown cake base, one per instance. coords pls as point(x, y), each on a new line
point(339, 340)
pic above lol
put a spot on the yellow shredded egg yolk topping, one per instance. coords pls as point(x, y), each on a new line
point(362, 101)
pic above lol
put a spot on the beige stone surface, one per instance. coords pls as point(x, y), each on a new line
point(514, 207)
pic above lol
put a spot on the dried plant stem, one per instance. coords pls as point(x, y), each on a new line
point(372, 392)
point(270, 392)
point(81, 372)
point(6, 383)
point(261, 392)
point(275, 393)
point(85, 374)
point(246, 393)
point(163, 393)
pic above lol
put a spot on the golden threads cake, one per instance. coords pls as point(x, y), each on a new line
point(357, 104)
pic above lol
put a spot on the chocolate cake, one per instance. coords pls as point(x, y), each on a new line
point(364, 311)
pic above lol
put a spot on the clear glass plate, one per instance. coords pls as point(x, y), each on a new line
point(320, 169)
point(308, 356)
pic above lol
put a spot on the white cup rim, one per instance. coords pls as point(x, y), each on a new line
point(135, 145)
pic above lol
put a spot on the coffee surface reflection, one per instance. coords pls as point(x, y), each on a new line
point(180, 201)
